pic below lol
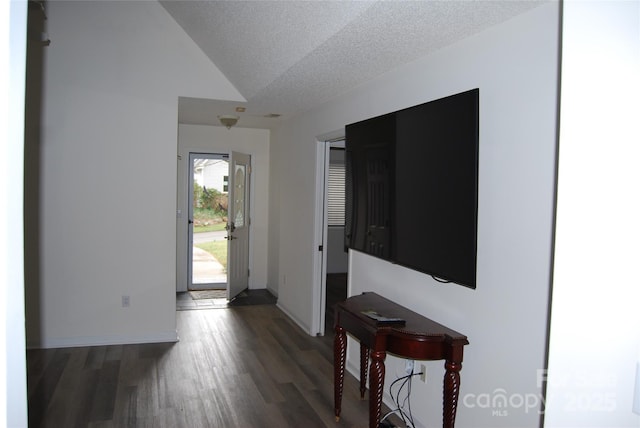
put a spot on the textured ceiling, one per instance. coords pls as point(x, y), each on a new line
point(285, 57)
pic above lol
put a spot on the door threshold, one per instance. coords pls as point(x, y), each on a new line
point(200, 287)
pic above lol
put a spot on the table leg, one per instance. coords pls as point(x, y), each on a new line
point(376, 385)
point(339, 357)
point(451, 392)
point(364, 365)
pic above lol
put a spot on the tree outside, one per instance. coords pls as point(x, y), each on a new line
point(210, 208)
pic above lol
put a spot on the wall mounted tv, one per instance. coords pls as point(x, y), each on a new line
point(412, 187)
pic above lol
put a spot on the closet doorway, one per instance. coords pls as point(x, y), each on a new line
point(333, 264)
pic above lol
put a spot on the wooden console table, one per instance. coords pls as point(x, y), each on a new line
point(419, 338)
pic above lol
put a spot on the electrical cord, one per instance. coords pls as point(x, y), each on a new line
point(405, 415)
point(407, 400)
point(396, 410)
point(443, 281)
point(401, 406)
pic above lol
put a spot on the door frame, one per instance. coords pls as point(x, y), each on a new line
point(319, 293)
point(212, 139)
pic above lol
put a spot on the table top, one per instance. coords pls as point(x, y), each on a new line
point(415, 324)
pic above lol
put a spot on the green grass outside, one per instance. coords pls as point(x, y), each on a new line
point(210, 221)
point(217, 249)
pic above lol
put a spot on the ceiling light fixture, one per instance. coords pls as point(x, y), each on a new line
point(228, 120)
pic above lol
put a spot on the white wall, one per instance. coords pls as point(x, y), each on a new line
point(515, 66)
point(13, 373)
point(292, 246)
point(218, 139)
point(595, 321)
point(113, 75)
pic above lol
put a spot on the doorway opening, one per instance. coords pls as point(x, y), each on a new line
point(337, 263)
point(332, 263)
point(208, 216)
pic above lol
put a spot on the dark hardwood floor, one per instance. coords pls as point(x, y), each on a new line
point(238, 367)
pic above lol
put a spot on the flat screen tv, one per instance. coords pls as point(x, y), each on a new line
point(412, 187)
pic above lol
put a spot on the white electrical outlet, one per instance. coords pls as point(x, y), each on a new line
point(125, 301)
point(423, 373)
point(408, 366)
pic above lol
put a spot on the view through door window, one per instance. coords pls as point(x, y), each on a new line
point(210, 205)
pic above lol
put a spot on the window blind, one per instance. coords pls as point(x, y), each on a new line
point(335, 194)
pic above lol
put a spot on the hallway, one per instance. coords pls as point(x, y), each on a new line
point(241, 367)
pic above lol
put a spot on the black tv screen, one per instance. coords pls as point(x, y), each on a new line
point(412, 187)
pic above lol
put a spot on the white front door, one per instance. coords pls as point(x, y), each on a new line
point(238, 224)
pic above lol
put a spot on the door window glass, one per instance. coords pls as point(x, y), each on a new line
point(239, 195)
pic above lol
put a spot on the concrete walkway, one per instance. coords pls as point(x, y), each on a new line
point(206, 269)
